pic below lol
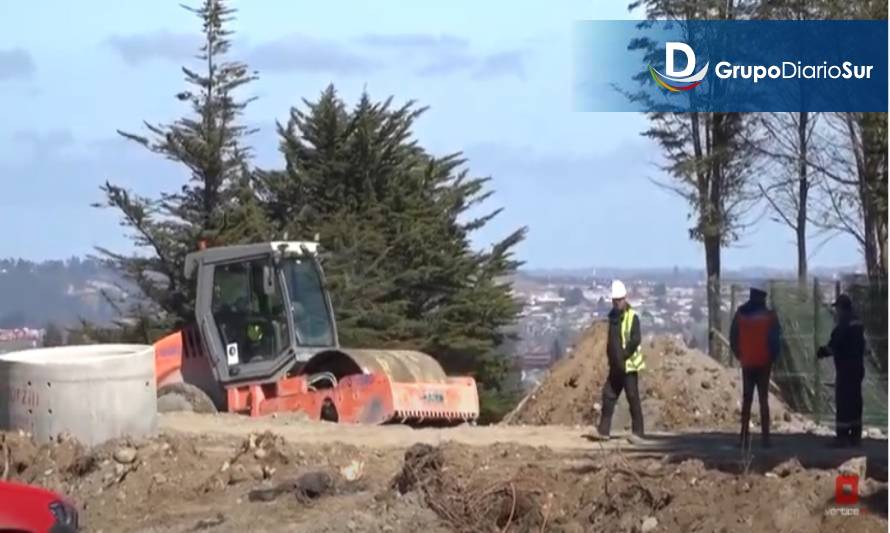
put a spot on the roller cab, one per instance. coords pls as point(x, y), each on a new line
point(265, 341)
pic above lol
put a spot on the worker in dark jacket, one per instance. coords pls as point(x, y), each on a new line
point(755, 340)
point(847, 347)
point(625, 363)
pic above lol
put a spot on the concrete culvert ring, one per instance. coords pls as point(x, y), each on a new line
point(92, 392)
point(184, 397)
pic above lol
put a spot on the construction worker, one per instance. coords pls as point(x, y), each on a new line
point(847, 347)
point(625, 363)
point(755, 339)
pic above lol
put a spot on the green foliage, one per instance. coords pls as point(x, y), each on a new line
point(395, 222)
point(217, 203)
point(53, 336)
point(495, 404)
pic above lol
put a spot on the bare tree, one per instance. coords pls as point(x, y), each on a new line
point(710, 158)
point(855, 167)
point(787, 143)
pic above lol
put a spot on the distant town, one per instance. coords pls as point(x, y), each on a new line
point(558, 305)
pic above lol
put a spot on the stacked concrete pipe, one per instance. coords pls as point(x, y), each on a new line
point(94, 393)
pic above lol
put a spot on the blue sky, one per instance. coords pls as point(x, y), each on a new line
point(497, 76)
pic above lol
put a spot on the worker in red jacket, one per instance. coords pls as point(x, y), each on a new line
point(755, 338)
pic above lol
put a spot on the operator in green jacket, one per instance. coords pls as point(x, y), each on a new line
point(625, 363)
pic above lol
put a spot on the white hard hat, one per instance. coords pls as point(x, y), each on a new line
point(618, 290)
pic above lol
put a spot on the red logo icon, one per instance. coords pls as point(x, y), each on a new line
point(846, 489)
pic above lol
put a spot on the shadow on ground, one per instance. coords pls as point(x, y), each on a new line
point(720, 451)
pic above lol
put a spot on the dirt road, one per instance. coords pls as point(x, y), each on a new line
point(297, 429)
point(717, 449)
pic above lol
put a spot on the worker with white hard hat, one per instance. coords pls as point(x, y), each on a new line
point(625, 363)
point(755, 341)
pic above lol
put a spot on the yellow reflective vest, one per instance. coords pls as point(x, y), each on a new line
point(635, 362)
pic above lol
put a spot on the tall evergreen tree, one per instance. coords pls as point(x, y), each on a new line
point(395, 222)
point(217, 203)
point(53, 336)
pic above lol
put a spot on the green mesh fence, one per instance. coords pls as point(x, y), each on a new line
point(805, 382)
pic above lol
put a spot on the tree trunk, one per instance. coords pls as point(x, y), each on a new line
point(803, 192)
point(712, 267)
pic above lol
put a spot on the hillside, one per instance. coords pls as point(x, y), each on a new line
point(34, 294)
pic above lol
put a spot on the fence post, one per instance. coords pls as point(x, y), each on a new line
point(772, 291)
point(732, 307)
point(817, 388)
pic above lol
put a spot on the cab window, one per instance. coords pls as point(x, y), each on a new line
point(252, 324)
point(312, 318)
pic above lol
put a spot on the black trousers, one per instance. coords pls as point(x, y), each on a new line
point(757, 377)
point(615, 383)
point(848, 402)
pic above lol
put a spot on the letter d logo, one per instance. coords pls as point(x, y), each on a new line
point(670, 50)
point(678, 80)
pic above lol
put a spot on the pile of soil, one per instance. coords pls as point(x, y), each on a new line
point(681, 389)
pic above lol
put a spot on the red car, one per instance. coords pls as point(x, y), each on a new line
point(26, 508)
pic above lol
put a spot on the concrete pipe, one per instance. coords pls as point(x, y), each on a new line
point(93, 393)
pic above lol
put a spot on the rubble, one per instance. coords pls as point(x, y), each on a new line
point(788, 467)
point(125, 455)
point(649, 524)
point(180, 482)
point(312, 485)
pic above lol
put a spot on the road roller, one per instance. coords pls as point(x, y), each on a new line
point(264, 340)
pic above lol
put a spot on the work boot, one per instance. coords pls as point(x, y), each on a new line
point(598, 435)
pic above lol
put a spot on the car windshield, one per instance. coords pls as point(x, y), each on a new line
point(308, 303)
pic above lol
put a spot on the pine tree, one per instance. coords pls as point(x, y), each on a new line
point(393, 222)
point(53, 336)
point(217, 203)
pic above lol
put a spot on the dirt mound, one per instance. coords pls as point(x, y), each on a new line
point(680, 389)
